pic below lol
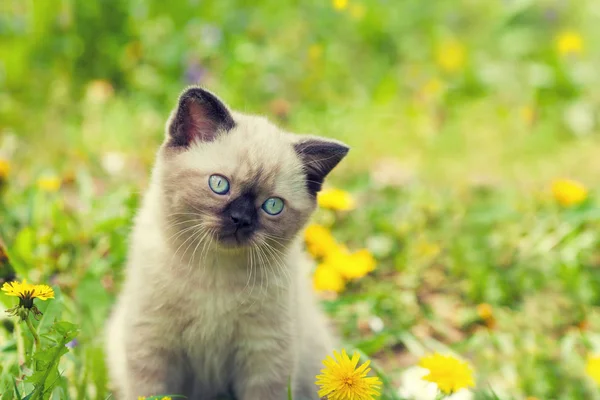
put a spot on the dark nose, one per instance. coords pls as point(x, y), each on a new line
point(242, 213)
point(240, 219)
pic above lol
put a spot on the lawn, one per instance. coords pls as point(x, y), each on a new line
point(464, 118)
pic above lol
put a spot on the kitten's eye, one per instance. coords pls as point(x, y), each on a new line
point(218, 184)
point(273, 205)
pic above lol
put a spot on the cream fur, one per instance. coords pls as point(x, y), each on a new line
point(197, 319)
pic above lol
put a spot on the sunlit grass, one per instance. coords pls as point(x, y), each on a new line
point(462, 117)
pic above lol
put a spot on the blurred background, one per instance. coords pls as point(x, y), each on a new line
point(470, 185)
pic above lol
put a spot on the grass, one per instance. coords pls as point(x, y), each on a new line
point(451, 169)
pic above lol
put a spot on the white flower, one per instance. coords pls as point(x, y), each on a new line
point(380, 245)
point(376, 324)
point(579, 117)
point(113, 162)
point(413, 387)
point(540, 75)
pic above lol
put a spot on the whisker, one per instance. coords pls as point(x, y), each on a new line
point(183, 222)
point(182, 213)
point(264, 262)
point(253, 275)
point(182, 244)
point(249, 258)
point(278, 259)
point(200, 240)
point(206, 246)
point(276, 238)
point(179, 233)
point(193, 236)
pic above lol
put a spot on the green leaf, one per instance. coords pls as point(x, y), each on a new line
point(16, 389)
point(65, 328)
point(374, 344)
point(24, 246)
point(46, 376)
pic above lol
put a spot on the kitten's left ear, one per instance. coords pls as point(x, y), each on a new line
point(319, 156)
point(200, 115)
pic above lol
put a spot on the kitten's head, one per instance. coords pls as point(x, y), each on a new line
point(237, 181)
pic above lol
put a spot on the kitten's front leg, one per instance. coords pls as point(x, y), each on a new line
point(152, 370)
point(260, 383)
point(263, 368)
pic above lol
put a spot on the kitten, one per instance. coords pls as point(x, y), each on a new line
point(217, 299)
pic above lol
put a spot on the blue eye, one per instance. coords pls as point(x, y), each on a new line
point(273, 205)
point(218, 184)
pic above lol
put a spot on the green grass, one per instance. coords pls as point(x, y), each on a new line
point(452, 183)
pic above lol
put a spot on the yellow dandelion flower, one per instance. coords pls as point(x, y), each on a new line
point(4, 168)
point(592, 367)
point(527, 114)
point(568, 192)
point(485, 311)
point(319, 240)
point(427, 249)
point(448, 373)
point(357, 11)
point(26, 292)
point(340, 4)
point(315, 51)
point(98, 91)
point(433, 87)
point(363, 262)
point(49, 184)
point(327, 279)
point(351, 265)
point(336, 199)
point(342, 380)
point(569, 42)
point(162, 398)
point(451, 55)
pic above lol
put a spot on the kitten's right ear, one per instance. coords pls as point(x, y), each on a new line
point(201, 116)
point(319, 156)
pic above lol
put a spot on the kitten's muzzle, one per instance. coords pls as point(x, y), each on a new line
point(242, 221)
point(240, 218)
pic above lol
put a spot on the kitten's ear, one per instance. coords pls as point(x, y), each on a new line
point(200, 115)
point(319, 157)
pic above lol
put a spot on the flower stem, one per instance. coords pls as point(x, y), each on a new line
point(36, 337)
point(20, 345)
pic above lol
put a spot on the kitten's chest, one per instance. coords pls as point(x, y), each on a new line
point(216, 325)
point(210, 330)
point(216, 306)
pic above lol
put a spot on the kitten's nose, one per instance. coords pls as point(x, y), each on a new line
point(242, 213)
point(241, 220)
